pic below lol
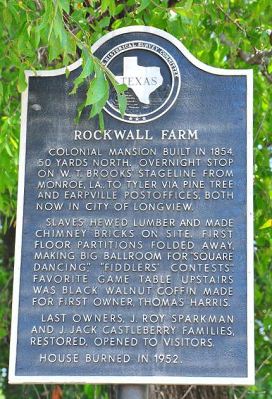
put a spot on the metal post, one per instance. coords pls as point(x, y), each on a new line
point(132, 392)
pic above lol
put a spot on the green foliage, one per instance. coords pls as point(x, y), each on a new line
point(96, 392)
point(46, 34)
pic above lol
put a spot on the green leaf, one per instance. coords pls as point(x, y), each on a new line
point(98, 106)
point(120, 88)
point(22, 40)
point(54, 48)
point(77, 82)
point(267, 224)
point(1, 92)
point(65, 5)
point(188, 4)
point(269, 68)
point(104, 5)
point(99, 87)
point(143, 5)
point(88, 67)
point(117, 24)
point(79, 111)
point(8, 149)
point(108, 5)
point(122, 103)
point(37, 37)
point(104, 22)
point(58, 27)
point(119, 9)
point(89, 390)
point(7, 17)
point(112, 7)
point(87, 70)
point(21, 85)
point(101, 120)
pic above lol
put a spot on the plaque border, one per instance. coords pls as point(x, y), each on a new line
point(165, 380)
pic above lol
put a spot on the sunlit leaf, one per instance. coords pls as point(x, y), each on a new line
point(267, 224)
point(21, 85)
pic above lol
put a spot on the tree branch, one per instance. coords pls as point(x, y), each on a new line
point(188, 391)
point(259, 57)
point(240, 27)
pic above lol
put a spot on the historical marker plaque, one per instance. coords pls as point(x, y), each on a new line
point(134, 244)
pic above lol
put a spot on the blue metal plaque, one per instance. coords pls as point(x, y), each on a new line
point(134, 243)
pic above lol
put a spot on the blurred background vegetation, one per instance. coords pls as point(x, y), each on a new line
point(48, 34)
